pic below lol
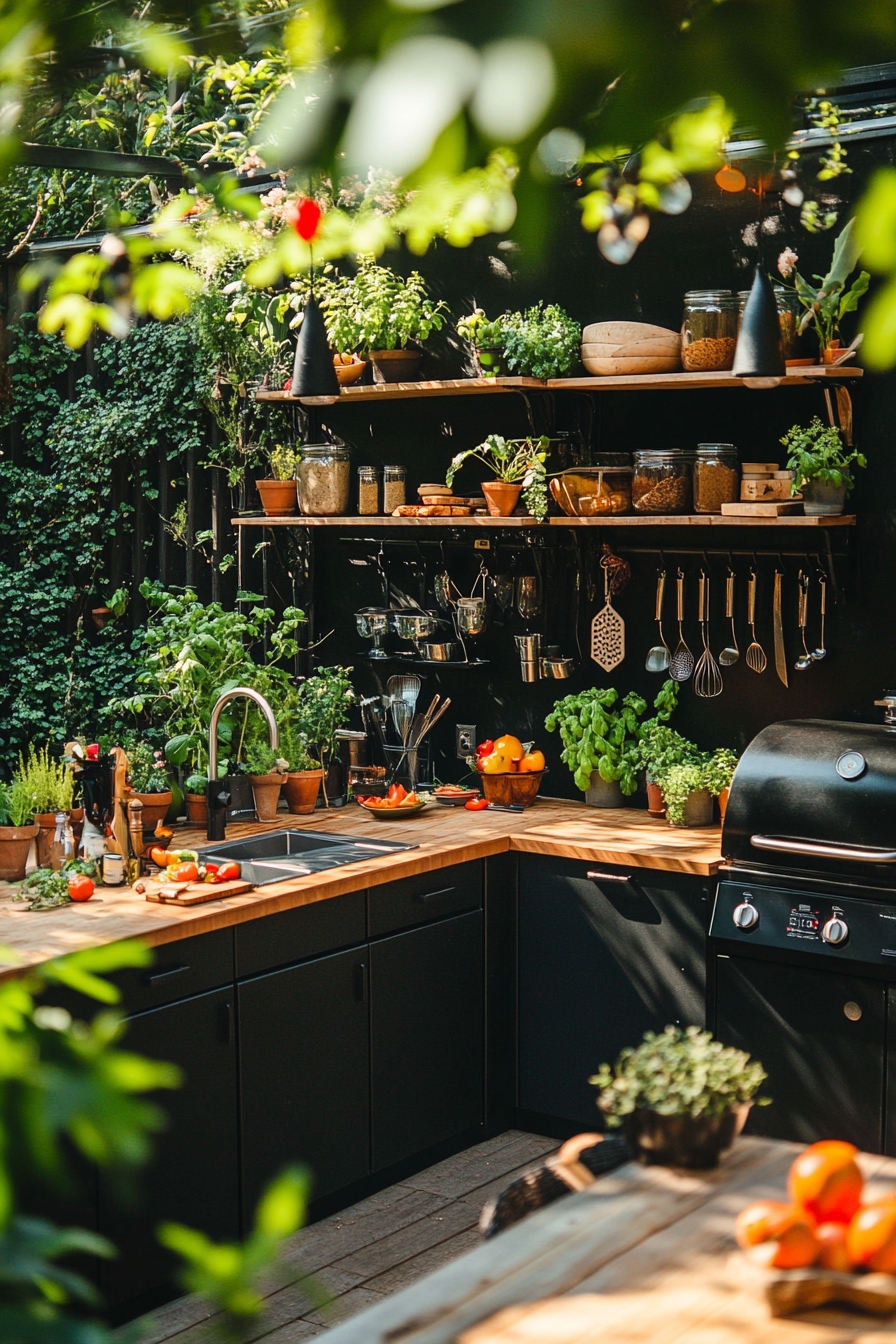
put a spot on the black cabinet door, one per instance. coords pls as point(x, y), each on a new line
point(600, 963)
point(427, 1027)
point(193, 1176)
point(820, 1038)
point(304, 1073)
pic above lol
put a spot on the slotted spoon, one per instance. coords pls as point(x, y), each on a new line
point(682, 663)
point(755, 656)
point(707, 677)
point(729, 656)
point(659, 657)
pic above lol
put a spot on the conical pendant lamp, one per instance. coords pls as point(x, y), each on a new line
point(313, 374)
point(759, 357)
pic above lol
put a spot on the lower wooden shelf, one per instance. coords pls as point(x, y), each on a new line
point(359, 524)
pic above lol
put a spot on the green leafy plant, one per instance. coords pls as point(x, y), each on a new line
point(146, 768)
point(375, 309)
point(49, 783)
point(261, 759)
point(294, 748)
point(678, 1072)
point(701, 771)
point(827, 305)
point(320, 706)
point(196, 783)
point(596, 736)
point(541, 342)
point(817, 453)
point(512, 460)
point(16, 804)
point(661, 747)
point(480, 331)
point(284, 462)
point(720, 770)
point(44, 889)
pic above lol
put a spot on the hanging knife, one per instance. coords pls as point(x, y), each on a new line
point(778, 628)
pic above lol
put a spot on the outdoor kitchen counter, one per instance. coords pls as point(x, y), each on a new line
point(443, 836)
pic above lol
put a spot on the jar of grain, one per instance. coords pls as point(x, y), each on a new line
point(324, 477)
point(709, 330)
point(716, 477)
point(662, 482)
point(368, 490)
point(393, 488)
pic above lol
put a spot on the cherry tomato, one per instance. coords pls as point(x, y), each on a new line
point(228, 872)
point(485, 748)
point(476, 804)
point(80, 887)
point(183, 872)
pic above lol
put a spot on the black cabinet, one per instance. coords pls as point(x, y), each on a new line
point(820, 1038)
point(605, 954)
point(193, 1176)
point(426, 1031)
point(304, 1071)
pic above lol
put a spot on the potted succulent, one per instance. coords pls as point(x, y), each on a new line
point(828, 305)
point(149, 781)
point(18, 829)
point(267, 775)
point(303, 775)
point(681, 1097)
point(518, 465)
point(278, 492)
point(600, 743)
point(821, 467)
point(486, 340)
point(51, 786)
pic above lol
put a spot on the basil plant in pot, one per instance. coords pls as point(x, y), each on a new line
point(681, 1097)
point(519, 468)
point(821, 464)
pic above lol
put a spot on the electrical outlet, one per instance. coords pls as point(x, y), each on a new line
point(464, 740)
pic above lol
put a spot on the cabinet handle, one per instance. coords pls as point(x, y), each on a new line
point(360, 981)
point(607, 877)
point(226, 1012)
point(433, 895)
point(164, 975)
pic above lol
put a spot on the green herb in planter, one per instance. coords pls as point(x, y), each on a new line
point(678, 1073)
point(261, 759)
point(598, 737)
point(482, 333)
point(284, 462)
point(49, 783)
point(146, 767)
point(196, 783)
point(828, 305)
point(376, 309)
point(817, 453)
point(542, 342)
point(16, 804)
point(512, 461)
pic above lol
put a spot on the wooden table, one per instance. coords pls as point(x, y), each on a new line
point(645, 1254)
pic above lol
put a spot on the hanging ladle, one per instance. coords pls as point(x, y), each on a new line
point(730, 655)
point(821, 652)
point(805, 659)
point(659, 656)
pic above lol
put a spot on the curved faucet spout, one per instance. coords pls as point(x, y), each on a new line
point(218, 799)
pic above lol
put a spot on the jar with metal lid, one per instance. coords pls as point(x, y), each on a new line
point(368, 490)
point(716, 477)
point(394, 479)
point(790, 311)
point(708, 330)
point(324, 477)
point(662, 482)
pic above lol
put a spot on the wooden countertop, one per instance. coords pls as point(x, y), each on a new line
point(645, 1254)
point(443, 836)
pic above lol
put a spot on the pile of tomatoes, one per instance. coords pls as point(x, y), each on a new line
point(182, 865)
point(825, 1223)
point(506, 755)
point(397, 796)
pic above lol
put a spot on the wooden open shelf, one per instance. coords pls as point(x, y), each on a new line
point(613, 520)
point(800, 376)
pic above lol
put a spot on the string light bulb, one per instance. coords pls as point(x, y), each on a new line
point(730, 179)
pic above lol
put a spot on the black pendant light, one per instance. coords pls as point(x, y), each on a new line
point(759, 356)
point(313, 374)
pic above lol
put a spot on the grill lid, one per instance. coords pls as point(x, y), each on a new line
point(818, 797)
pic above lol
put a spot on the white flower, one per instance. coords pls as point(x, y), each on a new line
point(787, 261)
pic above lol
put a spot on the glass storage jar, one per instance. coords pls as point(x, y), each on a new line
point(588, 492)
point(790, 311)
point(716, 477)
point(368, 490)
point(708, 330)
point(393, 488)
point(324, 477)
point(662, 482)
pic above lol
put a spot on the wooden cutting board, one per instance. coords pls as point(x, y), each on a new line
point(772, 508)
point(197, 893)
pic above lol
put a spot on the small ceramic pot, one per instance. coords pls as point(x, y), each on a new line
point(602, 794)
point(278, 498)
point(197, 809)
point(301, 789)
point(15, 844)
point(266, 792)
point(155, 809)
point(682, 1140)
point(501, 497)
point(822, 501)
point(396, 366)
point(656, 803)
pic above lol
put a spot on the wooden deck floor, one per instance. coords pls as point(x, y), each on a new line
point(374, 1248)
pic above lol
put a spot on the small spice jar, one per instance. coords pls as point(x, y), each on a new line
point(709, 330)
point(662, 482)
point(394, 479)
point(324, 477)
point(368, 490)
point(716, 477)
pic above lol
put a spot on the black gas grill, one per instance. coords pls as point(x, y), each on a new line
point(803, 933)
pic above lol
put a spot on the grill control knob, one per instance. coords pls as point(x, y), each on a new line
point(746, 916)
point(836, 931)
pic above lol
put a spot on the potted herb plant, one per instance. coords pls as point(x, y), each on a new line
point(196, 798)
point(303, 775)
point(828, 305)
point(18, 829)
point(278, 492)
point(149, 781)
point(321, 706)
point(486, 340)
point(681, 1096)
point(518, 465)
point(51, 786)
point(720, 772)
point(600, 743)
point(660, 748)
point(541, 342)
point(821, 467)
point(267, 774)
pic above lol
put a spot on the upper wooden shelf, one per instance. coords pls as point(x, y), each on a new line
point(801, 376)
point(611, 520)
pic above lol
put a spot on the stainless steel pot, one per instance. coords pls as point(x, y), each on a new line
point(558, 668)
point(448, 652)
point(413, 625)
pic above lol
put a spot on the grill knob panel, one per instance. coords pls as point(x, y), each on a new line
point(835, 931)
point(746, 916)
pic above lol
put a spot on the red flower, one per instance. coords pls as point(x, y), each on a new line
point(305, 217)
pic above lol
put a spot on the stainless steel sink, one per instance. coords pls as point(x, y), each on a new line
point(280, 855)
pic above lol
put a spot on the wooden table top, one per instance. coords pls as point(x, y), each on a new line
point(442, 835)
point(645, 1254)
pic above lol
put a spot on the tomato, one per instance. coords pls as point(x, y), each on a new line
point(825, 1181)
point(228, 872)
point(183, 872)
point(532, 762)
point(871, 1237)
point(485, 748)
point(495, 764)
point(476, 804)
point(834, 1253)
point(80, 887)
point(777, 1234)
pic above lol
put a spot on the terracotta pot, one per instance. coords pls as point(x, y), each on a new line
point(396, 366)
point(155, 809)
point(197, 809)
point(501, 497)
point(723, 802)
point(301, 789)
point(46, 822)
point(602, 794)
point(266, 792)
point(656, 803)
point(831, 352)
point(682, 1140)
point(278, 498)
point(77, 823)
point(101, 616)
point(513, 789)
point(15, 844)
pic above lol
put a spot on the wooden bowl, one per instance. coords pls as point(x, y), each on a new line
point(350, 373)
point(612, 368)
point(623, 333)
point(512, 790)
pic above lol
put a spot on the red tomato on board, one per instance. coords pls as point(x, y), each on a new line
point(80, 887)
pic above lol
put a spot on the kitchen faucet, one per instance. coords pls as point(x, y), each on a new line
point(219, 798)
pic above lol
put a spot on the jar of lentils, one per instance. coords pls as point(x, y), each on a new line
point(709, 330)
point(716, 477)
point(662, 482)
